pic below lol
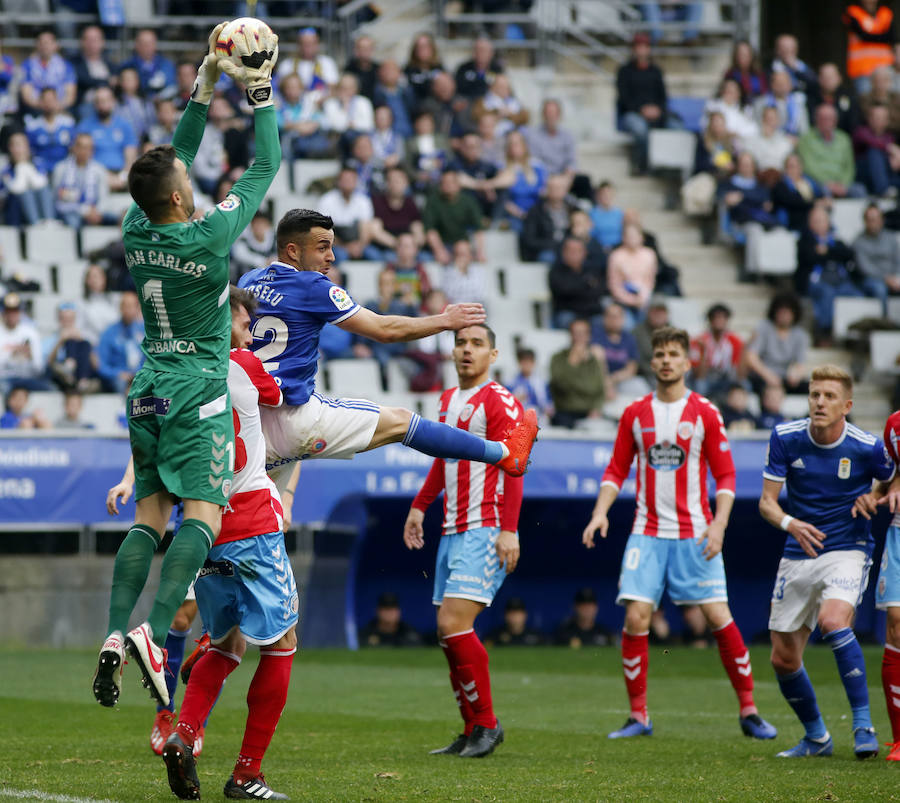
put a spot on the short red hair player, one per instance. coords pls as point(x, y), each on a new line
point(480, 545)
point(675, 542)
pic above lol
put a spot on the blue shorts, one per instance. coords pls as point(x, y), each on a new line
point(651, 564)
point(887, 592)
point(468, 567)
point(248, 583)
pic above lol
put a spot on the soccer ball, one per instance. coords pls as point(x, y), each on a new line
point(242, 42)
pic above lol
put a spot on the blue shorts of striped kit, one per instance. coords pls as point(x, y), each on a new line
point(652, 564)
point(887, 592)
point(249, 584)
point(468, 567)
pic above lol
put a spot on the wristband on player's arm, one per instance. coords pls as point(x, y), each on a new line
point(786, 522)
point(259, 96)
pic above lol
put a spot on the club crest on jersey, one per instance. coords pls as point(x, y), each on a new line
point(844, 468)
point(339, 298)
point(882, 586)
point(226, 488)
point(666, 456)
point(230, 202)
point(685, 430)
point(466, 413)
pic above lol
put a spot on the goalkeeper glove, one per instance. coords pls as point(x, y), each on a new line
point(208, 71)
point(258, 52)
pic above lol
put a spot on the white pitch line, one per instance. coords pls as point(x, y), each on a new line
point(37, 794)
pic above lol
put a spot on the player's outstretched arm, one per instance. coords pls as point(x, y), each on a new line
point(121, 491)
point(400, 328)
point(809, 537)
point(599, 522)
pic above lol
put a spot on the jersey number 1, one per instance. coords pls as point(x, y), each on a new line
point(152, 292)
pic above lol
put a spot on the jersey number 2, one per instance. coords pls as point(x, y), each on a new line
point(266, 327)
point(152, 292)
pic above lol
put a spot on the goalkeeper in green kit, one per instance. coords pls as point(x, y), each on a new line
point(179, 412)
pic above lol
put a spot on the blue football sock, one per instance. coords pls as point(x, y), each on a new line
point(440, 440)
point(852, 668)
point(799, 693)
point(175, 646)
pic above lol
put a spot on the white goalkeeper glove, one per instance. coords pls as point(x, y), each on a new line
point(208, 71)
point(258, 51)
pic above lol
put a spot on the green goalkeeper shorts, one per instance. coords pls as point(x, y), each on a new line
point(182, 436)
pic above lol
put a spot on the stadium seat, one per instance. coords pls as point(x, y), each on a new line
point(51, 242)
point(408, 400)
point(689, 109)
point(500, 246)
point(10, 245)
point(685, 313)
point(281, 184)
point(429, 404)
point(94, 238)
point(103, 411)
point(796, 405)
point(31, 271)
point(362, 279)
point(671, 150)
point(307, 170)
point(773, 252)
point(70, 278)
point(885, 350)
point(49, 402)
point(448, 374)
point(526, 280)
point(893, 308)
point(353, 378)
point(43, 311)
point(396, 376)
point(847, 217)
point(848, 310)
point(545, 342)
point(284, 203)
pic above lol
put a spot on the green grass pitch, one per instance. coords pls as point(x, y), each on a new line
point(358, 727)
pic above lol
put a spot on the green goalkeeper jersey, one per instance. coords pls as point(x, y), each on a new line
point(181, 269)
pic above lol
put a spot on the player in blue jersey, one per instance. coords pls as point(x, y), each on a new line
point(295, 301)
point(827, 464)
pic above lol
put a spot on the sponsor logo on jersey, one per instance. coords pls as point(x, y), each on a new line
point(798, 463)
point(149, 405)
point(171, 346)
point(226, 488)
point(844, 468)
point(339, 298)
point(666, 456)
point(225, 568)
point(230, 202)
point(685, 430)
point(466, 413)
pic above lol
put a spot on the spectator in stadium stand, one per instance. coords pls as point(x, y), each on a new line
point(492, 144)
point(523, 178)
point(165, 118)
point(546, 223)
point(793, 117)
point(427, 153)
point(81, 186)
point(716, 354)
point(92, 67)
point(777, 352)
point(351, 211)
point(631, 273)
point(399, 98)
point(738, 117)
point(73, 406)
point(347, 113)
point(770, 147)
point(318, 72)
point(554, 147)
point(606, 216)
point(369, 169)
point(877, 255)
point(825, 269)
point(185, 76)
point(576, 290)
point(28, 195)
point(578, 381)
point(795, 194)
point(735, 410)
point(883, 92)
point(301, 122)
point(156, 72)
point(451, 119)
point(871, 40)
point(714, 153)
point(475, 174)
point(475, 77)
point(9, 70)
point(877, 153)
point(423, 65)
point(621, 354)
point(21, 357)
point(388, 302)
point(45, 67)
point(15, 417)
point(115, 143)
point(50, 132)
point(657, 317)
point(255, 246)
point(136, 109)
point(830, 89)
point(581, 227)
point(666, 273)
point(746, 70)
point(529, 385)
point(771, 400)
point(514, 632)
point(396, 212)
point(501, 100)
point(71, 362)
point(582, 629)
point(119, 350)
point(747, 199)
point(98, 309)
point(803, 77)
point(450, 216)
point(387, 628)
point(827, 153)
point(412, 279)
point(641, 100)
point(463, 281)
point(362, 64)
point(388, 146)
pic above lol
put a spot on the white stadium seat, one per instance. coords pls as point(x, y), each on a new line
point(49, 402)
point(671, 150)
point(796, 405)
point(526, 280)
point(847, 310)
point(103, 411)
point(847, 217)
point(51, 242)
point(362, 279)
point(685, 313)
point(96, 237)
point(31, 271)
point(10, 244)
point(353, 378)
point(545, 342)
point(885, 349)
point(70, 278)
point(500, 246)
point(774, 252)
point(307, 170)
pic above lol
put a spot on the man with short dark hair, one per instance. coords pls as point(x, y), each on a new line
point(877, 254)
point(387, 628)
point(641, 100)
point(452, 215)
point(582, 629)
point(475, 76)
point(675, 542)
point(156, 72)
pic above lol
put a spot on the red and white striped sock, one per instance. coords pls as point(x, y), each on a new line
point(635, 656)
point(736, 660)
point(890, 679)
point(202, 690)
point(470, 669)
point(465, 707)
